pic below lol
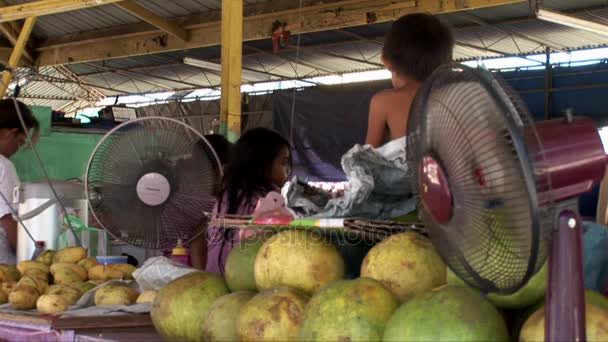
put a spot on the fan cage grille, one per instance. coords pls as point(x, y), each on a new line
point(153, 145)
point(484, 138)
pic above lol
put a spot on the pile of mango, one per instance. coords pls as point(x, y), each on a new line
point(55, 280)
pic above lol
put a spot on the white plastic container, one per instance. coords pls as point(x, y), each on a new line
point(41, 214)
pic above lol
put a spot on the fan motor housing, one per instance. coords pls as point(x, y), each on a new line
point(571, 159)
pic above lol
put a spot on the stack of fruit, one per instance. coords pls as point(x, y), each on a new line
point(291, 287)
point(56, 280)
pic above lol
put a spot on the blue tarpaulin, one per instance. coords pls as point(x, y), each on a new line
point(596, 256)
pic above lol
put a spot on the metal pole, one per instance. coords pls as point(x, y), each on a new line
point(548, 83)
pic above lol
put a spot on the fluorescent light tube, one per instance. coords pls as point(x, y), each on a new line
point(570, 21)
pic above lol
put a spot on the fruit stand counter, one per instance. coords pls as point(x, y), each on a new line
point(130, 327)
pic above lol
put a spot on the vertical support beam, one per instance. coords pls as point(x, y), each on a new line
point(548, 84)
point(232, 60)
point(17, 53)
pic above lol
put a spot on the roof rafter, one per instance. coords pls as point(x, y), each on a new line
point(11, 31)
point(12, 36)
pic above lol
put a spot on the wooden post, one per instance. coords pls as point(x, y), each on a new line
point(232, 60)
point(17, 53)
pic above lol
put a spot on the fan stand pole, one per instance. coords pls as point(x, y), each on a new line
point(565, 308)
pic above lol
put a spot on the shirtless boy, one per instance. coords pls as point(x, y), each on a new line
point(415, 46)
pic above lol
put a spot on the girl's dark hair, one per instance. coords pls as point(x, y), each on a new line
point(247, 173)
point(9, 117)
point(222, 147)
point(417, 44)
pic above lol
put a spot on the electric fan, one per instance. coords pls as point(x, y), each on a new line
point(498, 192)
point(151, 182)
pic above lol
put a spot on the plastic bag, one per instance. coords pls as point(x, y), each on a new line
point(378, 186)
point(93, 239)
point(158, 272)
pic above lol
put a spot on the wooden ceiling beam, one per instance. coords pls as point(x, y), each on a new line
point(12, 36)
point(17, 53)
point(46, 7)
point(137, 10)
point(187, 22)
point(5, 54)
point(314, 18)
point(11, 30)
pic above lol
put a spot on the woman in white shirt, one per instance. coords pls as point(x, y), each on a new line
point(12, 137)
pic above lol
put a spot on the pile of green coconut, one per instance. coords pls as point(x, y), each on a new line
point(292, 287)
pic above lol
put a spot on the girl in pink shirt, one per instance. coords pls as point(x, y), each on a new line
point(261, 163)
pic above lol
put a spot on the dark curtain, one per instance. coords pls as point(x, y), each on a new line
point(327, 122)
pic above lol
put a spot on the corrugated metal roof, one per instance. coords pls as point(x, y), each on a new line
point(324, 60)
point(319, 54)
point(101, 17)
point(40, 91)
point(180, 8)
point(55, 104)
point(522, 10)
point(110, 15)
point(493, 40)
point(50, 90)
point(80, 21)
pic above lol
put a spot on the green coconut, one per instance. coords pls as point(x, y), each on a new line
point(531, 293)
point(407, 264)
point(348, 310)
point(220, 324)
point(240, 265)
point(272, 315)
point(596, 298)
point(521, 316)
point(299, 259)
point(449, 313)
point(596, 325)
point(180, 308)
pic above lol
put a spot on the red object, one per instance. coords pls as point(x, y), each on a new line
point(481, 179)
point(181, 255)
point(280, 39)
point(40, 246)
point(573, 160)
point(569, 159)
point(565, 309)
point(282, 220)
point(371, 17)
point(181, 259)
point(435, 190)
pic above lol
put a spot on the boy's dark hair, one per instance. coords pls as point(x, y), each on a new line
point(246, 175)
point(221, 146)
point(10, 119)
point(417, 44)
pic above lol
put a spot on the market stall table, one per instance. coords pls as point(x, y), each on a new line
point(28, 327)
